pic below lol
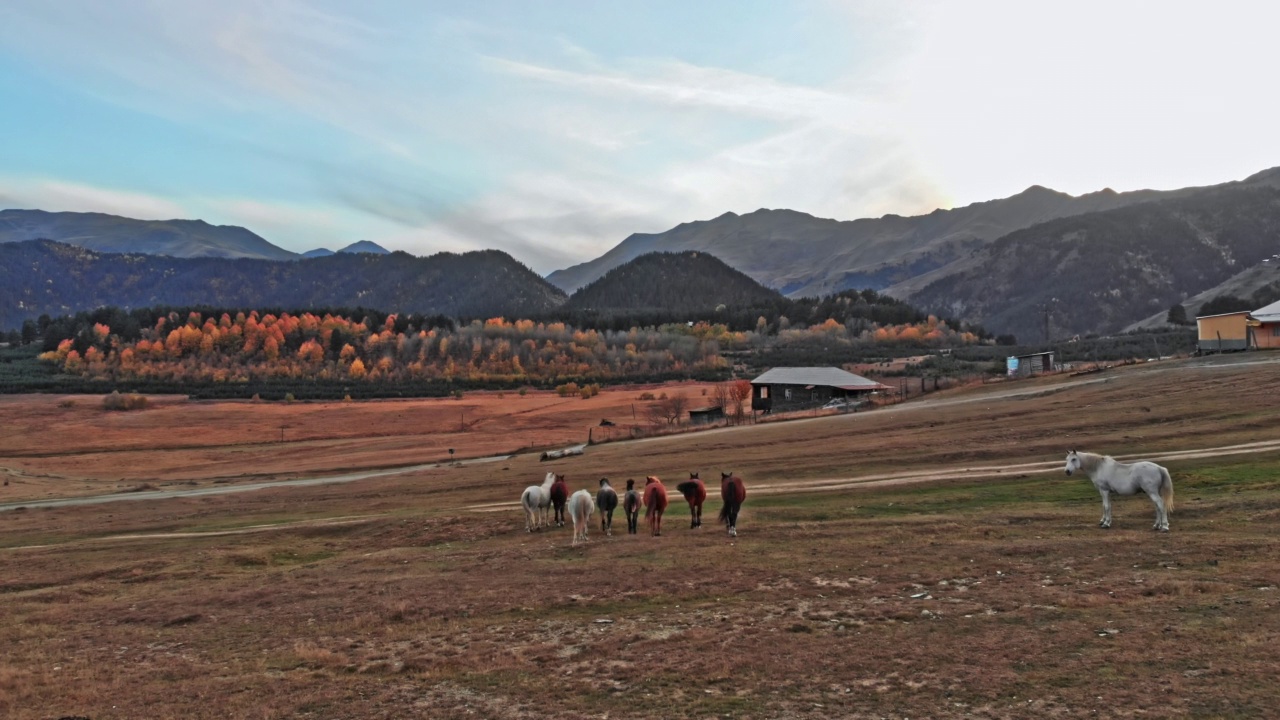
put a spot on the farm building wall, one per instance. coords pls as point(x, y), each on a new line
point(784, 398)
point(1266, 335)
point(1223, 332)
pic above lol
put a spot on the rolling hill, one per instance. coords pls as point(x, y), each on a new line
point(41, 276)
point(114, 234)
point(687, 282)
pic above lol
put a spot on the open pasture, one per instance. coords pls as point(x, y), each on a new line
point(927, 560)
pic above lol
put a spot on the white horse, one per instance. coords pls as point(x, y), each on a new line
point(579, 511)
point(1110, 476)
point(536, 501)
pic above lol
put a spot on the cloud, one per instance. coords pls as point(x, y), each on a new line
point(62, 196)
point(677, 83)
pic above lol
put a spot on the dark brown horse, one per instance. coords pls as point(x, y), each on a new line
point(606, 500)
point(733, 492)
point(655, 503)
point(559, 496)
point(695, 492)
point(631, 506)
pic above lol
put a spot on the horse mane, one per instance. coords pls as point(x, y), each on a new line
point(546, 482)
point(1090, 461)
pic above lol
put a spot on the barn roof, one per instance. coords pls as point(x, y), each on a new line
point(1270, 313)
point(824, 376)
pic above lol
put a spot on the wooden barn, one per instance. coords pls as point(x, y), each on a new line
point(1032, 364)
point(706, 416)
point(799, 388)
point(1227, 331)
point(1264, 326)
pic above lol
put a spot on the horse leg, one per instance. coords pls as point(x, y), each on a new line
point(1162, 514)
point(1106, 509)
point(733, 520)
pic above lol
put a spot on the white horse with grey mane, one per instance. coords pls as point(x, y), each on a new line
point(579, 511)
point(536, 501)
point(1110, 476)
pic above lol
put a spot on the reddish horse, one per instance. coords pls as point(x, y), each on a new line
point(695, 492)
point(559, 496)
point(655, 503)
point(733, 492)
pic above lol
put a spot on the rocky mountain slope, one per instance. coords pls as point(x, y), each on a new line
point(1100, 272)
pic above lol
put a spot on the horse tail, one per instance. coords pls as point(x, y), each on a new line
point(1166, 489)
point(689, 489)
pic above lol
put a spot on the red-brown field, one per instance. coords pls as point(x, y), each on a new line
point(925, 560)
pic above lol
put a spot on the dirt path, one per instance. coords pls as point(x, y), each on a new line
point(253, 529)
point(229, 489)
point(975, 472)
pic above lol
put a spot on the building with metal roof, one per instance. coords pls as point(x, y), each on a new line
point(1264, 326)
point(798, 388)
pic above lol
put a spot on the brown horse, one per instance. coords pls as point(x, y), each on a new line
point(695, 492)
point(655, 503)
point(733, 492)
point(559, 496)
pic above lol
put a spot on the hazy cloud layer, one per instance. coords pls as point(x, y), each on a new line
point(555, 131)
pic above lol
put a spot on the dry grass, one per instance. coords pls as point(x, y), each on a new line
point(977, 598)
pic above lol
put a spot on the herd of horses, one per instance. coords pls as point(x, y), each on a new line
point(1109, 476)
point(553, 496)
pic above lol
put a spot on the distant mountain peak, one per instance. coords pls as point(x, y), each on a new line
point(365, 246)
point(1040, 190)
point(318, 252)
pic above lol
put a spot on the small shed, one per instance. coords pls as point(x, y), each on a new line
point(1226, 331)
point(798, 388)
point(706, 415)
point(1264, 325)
point(1030, 364)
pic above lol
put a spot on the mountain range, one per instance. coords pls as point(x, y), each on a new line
point(175, 238)
point(1098, 262)
point(45, 277)
point(981, 262)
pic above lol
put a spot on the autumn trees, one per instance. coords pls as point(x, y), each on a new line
point(223, 348)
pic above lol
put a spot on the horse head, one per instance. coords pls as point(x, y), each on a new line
point(604, 482)
point(651, 480)
point(631, 484)
point(725, 476)
point(559, 478)
point(693, 476)
point(1073, 461)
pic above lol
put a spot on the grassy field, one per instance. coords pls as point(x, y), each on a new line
point(990, 593)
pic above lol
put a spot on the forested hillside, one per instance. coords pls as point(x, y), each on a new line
point(42, 277)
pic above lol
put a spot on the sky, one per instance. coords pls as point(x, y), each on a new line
point(553, 129)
